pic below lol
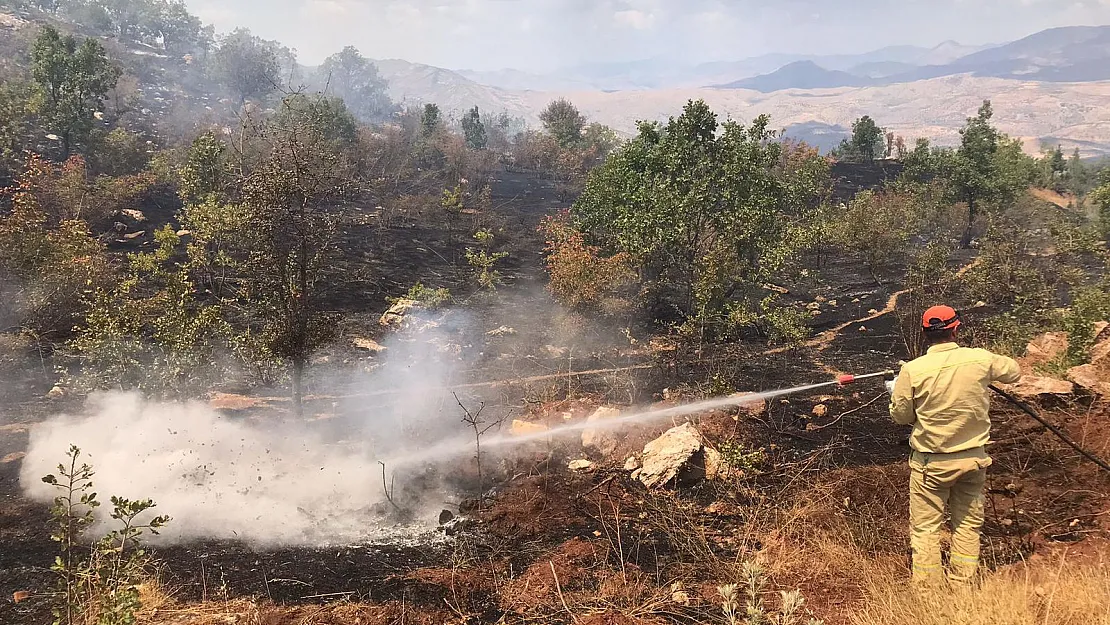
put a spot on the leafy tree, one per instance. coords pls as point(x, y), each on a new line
point(46, 263)
point(1079, 175)
point(866, 142)
point(327, 116)
point(247, 65)
point(72, 82)
point(563, 121)
point(600, 138)
point(430, 119)
point(354, 78)
point(974, 173)
point(204, 173)
point(176, 27)
point(987, 170)
point(474, 130)
point(707, 217)
point(150, 332)
point(287, 202)
point(17, 106)
point(1100, 197)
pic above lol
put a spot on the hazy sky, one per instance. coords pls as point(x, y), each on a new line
point(545, 34)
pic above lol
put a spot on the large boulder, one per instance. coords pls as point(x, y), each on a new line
point(1094, 377)
point(1046, 348)
point(1034, 386)
point(676, 457)
point(598, 440)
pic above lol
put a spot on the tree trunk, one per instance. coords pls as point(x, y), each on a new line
point(965, 242)
point(298, 390)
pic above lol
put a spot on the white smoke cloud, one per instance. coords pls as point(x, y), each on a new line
point(271, 480)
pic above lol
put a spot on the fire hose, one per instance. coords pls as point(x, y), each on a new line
point(846, 379)
point(1052, 428)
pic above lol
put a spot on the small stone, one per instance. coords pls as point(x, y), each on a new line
point(873, 312)
point(679, 594)
point(581, 466)
point(862, 329)
point(368, 344)
point(820, 410)
point(445, 517)
point(1007, 522)
point(631, 463)
point(56, 391)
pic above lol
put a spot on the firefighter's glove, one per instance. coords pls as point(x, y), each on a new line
point(890, 385)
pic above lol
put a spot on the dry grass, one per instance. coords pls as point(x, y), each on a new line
point(1066, 593)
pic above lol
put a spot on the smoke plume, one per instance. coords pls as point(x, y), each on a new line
point(266, 479)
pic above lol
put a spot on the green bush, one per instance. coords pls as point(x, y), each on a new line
point(97, 583)
point(426, 297)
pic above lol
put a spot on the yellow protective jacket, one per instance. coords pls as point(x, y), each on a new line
point(944, 395)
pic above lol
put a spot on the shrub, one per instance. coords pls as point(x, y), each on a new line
point(580, 275)
point(47, 262)
point(876, 226)
point(426, 297)
point(484, 262)
point(754, 610)
point(119, 153)
point(98, 583)
point(929, 281)
point(149, 332)
point(1090, 304)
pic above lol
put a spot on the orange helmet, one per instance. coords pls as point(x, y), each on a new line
point(940, 318)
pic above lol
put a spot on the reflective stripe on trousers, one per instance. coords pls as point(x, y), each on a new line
point(954, 481)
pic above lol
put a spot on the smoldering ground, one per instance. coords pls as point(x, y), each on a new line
point(271, 480)
point(268, 479)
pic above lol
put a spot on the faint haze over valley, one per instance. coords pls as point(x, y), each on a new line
point(919, 66)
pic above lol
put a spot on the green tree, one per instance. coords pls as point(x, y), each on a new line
point(175, 26)
point(288, 202)
point(707, 217)
point(430, 119)
point(72, 81)
point(563, 121)
point(1100, 197)
point(867, 139)
point(474, 130)
point(247, 65)
point(205, 172)
point(328, 117)
point(17, 107)
point(1078, 175)
point(973, 170)
point(354, 78)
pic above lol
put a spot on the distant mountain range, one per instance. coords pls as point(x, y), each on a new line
point(800, 75)
point(1071, 54)
point(670, 74)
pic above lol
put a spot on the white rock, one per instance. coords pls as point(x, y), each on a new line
point(673, 457)
point(581, 466)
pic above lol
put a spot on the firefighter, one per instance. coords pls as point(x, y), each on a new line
point(944, 395)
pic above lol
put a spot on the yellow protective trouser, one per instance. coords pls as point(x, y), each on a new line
point(955, 480)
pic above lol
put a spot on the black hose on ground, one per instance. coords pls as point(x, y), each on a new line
point(1052, 428)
